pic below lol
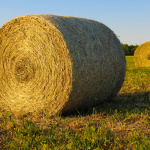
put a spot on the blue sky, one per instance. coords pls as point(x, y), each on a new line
point(129, 19)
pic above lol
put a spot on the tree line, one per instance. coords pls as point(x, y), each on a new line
point(129, 49)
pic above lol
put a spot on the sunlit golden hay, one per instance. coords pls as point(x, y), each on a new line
point(56, 64)
point(142, 55)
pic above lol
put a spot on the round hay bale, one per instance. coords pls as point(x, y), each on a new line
point(142, 55)
point(57, 64)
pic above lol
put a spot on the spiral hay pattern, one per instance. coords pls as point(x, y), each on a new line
point(142, 55)
point(58, 64)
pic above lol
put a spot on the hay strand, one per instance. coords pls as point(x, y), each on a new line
point(142, 55)
point(58, 64)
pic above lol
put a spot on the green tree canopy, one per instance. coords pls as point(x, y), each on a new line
point(129, 49)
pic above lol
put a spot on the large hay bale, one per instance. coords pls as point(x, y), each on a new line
point(142, 55)
point(58, 64)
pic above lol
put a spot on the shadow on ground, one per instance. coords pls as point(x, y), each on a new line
point(122, 102)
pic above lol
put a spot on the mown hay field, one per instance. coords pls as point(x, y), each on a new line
point(123, 123)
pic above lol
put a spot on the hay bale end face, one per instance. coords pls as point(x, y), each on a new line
point(57, 64)
point(142, 55)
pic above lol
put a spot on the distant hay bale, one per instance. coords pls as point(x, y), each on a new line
point(57, 64)
point(142, 55)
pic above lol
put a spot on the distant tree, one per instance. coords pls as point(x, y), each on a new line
point(134, 48)
point(126, 49)
point(129, 49)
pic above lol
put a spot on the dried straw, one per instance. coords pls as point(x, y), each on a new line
point(58, 64)
point(142, 55)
